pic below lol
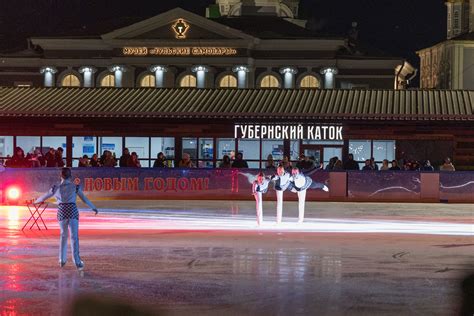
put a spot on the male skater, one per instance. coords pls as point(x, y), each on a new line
point(68, 216)
point(259, 187)
point(300, 183)
point(282, 183)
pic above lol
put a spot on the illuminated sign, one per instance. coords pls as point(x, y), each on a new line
point(277, 131)
point(180, 28)
point(179, 51)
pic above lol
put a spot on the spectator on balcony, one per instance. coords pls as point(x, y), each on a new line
point(447, 165)
point(59, 157)
point(160, 161)
point(394, 166)
point(50, 158)
point(338, 165)
point(385, 165)
point(374, 164)
point(133, 161)
point(351, 164)
point(330, 165)
point(123, 162)
point(285, 162)
point(225, 162)
point(186, 162)
point(94, 162)
point(84, 162)
point(18, 160)
point(270, 164)
point(239, 162)
point(427, 166)
point(36, 159)
point(108, 160)
point(368, 165)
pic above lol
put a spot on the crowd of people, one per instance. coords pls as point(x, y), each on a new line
point(54, 158)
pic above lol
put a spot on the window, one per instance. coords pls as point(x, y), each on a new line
point(83, 145)
point(361, 149)
point(163, 145)
point(6, 146)
point(29, 143)
point(329, 152)
point(250, 150)
point(55, 142)
point(147, 81)
point(384, 149)
point(274, 148)
point(141, 146)
point(365, 149)
point(108, 81)
point(228, 81)
point(309, 81)
point(190, 147)
point(269, 81)
point(206, 153)
point(112, 144)
point(188, 81)
point(294, 150)
point(225, 146)
point(70, 81)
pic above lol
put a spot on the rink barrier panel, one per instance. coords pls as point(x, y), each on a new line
point(235, 184)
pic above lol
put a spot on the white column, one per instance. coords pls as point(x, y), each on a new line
point(329, 77)
point(159, 75)
point(118, 71)
point(88, 75)
point(48, 73)
point(241, 76)
point(200, 75)
point(288, 77)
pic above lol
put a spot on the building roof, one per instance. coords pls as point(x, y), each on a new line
point(301, 104)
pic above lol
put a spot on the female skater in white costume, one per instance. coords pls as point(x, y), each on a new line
point(300, 183)
point(259, 187)
point(282, 183)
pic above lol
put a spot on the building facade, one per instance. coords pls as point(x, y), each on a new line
point(450, 64)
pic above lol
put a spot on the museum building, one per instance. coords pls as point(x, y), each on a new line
point(180, 83)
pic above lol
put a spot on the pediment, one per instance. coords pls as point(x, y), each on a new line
point(179, 25)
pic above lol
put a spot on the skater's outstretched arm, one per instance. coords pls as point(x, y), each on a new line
point(47, 195)
point(86, 200)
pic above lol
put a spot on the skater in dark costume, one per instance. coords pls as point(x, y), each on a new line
point(68, 216)
point(260, 187)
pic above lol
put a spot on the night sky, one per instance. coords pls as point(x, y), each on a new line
point(397, 27)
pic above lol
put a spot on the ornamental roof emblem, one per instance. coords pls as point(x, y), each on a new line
point(180, 28)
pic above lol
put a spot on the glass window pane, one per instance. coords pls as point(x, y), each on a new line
point(163, 145)
point(294, 150)
point(112, 144)
point(84, 145)
point(309, 81)
point(145, 163)
point(250, 149)
point(384, 149)
point(139, 145)
point(108, 81)
point(274, 148)
point(6, 146)
point(190, 147)
point(188, 81)
point(71, 81)
point(360, 148)
point(329, 152)
point(206, 148)
point(29, 143)
point(228, 81)
point(205, 164)
point(225, 146)
point(55, 142)
point(253, 164)
point(269, 81)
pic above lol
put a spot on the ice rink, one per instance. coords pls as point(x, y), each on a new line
point(210, 258)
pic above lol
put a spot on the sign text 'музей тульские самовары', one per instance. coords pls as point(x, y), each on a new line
point(288, 131)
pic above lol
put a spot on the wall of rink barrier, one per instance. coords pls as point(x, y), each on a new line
point(235, 184)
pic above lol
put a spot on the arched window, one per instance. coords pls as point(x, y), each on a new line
point(228, 81)
point(108, 81)
point(188, 81)
point(70, 81)
point(147, 81)
point(269, 81)
point(310, 81)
